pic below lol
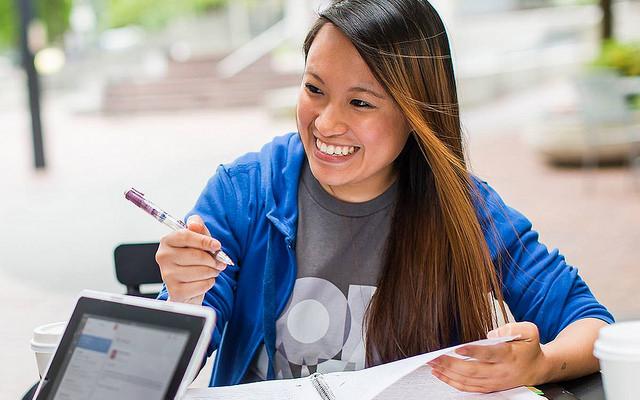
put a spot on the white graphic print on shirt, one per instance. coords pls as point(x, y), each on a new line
point(320, 330)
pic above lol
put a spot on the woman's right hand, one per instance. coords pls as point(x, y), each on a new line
point(187, 268)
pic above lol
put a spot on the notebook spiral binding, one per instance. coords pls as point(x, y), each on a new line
point(321, 387)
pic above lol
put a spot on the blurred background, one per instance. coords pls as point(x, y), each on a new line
point(97, 96)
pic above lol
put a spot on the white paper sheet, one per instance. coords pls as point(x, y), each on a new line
point(368, 383)
point(420, 384)
point(406, 379)
point(285, 389)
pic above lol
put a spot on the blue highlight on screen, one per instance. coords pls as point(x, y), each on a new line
point(94, 343)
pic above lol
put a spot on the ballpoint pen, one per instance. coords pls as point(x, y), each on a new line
point(137, 198)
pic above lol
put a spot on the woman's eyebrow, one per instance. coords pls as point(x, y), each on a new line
point(315, 76)
point(359, 89)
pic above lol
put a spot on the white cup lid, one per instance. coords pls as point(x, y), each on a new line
point(622, 333)
point(48, 334)
point(622, 338)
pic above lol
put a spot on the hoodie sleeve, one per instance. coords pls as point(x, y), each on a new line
point(538, 285)
point(218, 206)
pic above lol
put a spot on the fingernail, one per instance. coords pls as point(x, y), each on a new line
point(462, 352)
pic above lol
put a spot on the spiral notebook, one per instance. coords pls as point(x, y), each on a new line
point(406, 379)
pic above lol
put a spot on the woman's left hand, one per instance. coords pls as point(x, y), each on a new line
point(498, 367)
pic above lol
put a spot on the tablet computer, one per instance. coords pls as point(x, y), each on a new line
point(123, 347)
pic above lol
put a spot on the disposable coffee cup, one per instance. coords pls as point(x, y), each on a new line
point(618, 349)
point(44, 343)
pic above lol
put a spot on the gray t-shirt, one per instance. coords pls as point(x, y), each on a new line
point(339, 252)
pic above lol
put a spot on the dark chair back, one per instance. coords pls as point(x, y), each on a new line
point(136, 265)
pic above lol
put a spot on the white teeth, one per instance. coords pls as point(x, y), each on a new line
point(335, 150)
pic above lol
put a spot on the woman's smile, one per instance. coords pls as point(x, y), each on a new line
point(334, 153)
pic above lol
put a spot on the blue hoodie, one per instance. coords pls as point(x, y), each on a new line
point(251, 207)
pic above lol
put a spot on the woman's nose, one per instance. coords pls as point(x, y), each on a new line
point(330, 121)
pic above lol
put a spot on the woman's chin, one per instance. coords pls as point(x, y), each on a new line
point(329, 180)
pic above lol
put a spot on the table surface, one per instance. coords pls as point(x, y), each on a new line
point(585, 388)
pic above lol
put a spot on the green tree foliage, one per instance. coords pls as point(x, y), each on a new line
point(8, 27)
point(622, 57)
point(153, 13)
point(54, 14)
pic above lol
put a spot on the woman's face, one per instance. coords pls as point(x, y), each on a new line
point(351, 129)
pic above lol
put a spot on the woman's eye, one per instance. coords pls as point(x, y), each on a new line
point(312, 88)
point(360, 103)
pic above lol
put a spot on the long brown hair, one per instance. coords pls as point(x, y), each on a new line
point(438, 278)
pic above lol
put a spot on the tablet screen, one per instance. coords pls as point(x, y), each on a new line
point(120, 351)
point(117, 359)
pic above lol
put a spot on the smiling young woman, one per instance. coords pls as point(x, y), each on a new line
point(363, 238)
point(435, 234)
